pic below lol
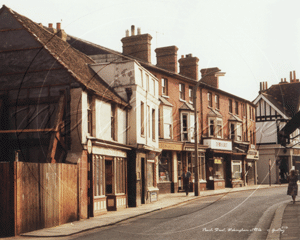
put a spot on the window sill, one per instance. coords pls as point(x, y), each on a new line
point(165, 96)
point(182, 100)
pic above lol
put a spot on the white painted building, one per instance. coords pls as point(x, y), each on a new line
point(140, 88)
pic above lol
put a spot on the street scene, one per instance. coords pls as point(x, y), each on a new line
point(131, 128)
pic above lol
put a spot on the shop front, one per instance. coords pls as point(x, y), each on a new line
point(251, 166)
point(107, 176)
point(218, 156)
point(169, 166)
point(142, 175)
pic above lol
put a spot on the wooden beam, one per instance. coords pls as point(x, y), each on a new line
point(27, 130)
point(55, 136)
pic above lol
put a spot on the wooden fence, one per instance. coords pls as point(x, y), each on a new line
point(37, 195)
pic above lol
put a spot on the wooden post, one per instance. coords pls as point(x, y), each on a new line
point(55, 136)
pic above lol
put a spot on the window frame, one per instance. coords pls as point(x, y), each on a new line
point(191, 95)
point(181, 91)
point(209, 99)
point(142, 109)
point(164, 87)
point(230, 105)
point(217, 101)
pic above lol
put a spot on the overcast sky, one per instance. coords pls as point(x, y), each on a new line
point(250, 40)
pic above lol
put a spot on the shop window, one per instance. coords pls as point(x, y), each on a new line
point(236, 169)
point(165, 166)
point(150, 173)
point(187, 127)
point(181, 91)
point(202, 166)
point(108, 177)
point(215, 169)
point(164, 86)
point(99, 176)
point(121, 175)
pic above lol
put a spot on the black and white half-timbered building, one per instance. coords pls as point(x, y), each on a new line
point(275, 106)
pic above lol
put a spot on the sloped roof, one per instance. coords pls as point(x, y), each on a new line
point(187, 106)
point(234, 118)
point(74, 61)
point(285, 97)
point(214, 113)
point(165, 102)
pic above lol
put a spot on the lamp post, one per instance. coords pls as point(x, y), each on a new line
point(197, 184)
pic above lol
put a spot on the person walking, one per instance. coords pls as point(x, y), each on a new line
point(293, 186)
point(186, 175)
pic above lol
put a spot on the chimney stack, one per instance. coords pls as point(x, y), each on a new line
point(210, 76)
point(137, 46)
point(166, 58)
point(189, 66)
point(60, 32)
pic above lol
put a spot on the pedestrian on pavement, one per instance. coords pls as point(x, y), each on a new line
point(293, 187)
point(186, 175)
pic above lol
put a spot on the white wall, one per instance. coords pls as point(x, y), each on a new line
point(122, 126)
point(266, 132)
point(103, 121)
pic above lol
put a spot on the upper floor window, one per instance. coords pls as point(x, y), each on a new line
point(217, 101)
point(181, 91)
point(230, 105)
point(147, 83)
point(165, 122)
point(113, 122)
point(90, 114)
point(191, 94)
point(187, 127)
point(142, 78)
point(153, 124)
point(209, 99)
point(164, 86)
point(236, 107)
point(235, 131)
point(142, 118)
point(215, 127)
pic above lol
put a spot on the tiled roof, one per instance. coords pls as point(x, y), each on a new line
point(285, 96)
point(74, 61)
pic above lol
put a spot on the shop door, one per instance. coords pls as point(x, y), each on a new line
point(143, 182)
point(108, 177)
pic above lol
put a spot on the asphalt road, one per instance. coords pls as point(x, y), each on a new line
point(239, 215)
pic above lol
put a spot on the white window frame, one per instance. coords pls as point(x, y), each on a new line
point(238, 131)
point(181, 91)
point(217, 124)
point(189, 132)
point(236, 163)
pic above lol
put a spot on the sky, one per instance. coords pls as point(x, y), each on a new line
point(250, 40)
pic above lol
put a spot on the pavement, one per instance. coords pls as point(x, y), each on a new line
point(285, 224)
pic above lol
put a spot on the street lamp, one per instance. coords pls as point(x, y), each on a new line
point(217, 73)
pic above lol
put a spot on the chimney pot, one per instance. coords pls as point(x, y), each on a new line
point(291, 76)
point(58, 26)
point(127, 33)
point(182, 56)
point(50, 25)
point(132, 30)
point(294, 72)
point(139, 31)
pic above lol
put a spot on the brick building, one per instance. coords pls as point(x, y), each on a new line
point(176, 118)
